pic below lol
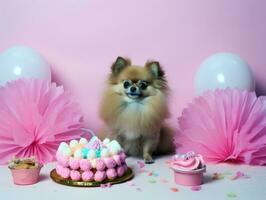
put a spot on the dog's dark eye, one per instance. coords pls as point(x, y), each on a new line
point(126, 84)
point(143, 85)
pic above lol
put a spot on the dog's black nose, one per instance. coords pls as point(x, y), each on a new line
point(133, 89)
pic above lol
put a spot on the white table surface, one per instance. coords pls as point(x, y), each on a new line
point(146, 187)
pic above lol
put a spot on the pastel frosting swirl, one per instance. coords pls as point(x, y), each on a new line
point(187, 162)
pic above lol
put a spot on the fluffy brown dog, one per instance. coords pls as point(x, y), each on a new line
point(134, 107)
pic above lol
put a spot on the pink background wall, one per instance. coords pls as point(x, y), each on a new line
point(81, 38)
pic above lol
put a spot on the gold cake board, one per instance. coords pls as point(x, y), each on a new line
point(67, 181)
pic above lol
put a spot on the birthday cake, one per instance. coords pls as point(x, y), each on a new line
point(92, 160)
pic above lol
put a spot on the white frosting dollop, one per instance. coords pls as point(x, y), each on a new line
point(104, 152)
point(114, 147)
point(83, 141)
point(62, 146)
point(93, 163)
point(91, 154)
point(66, 152)
point(78, 154)
point(106, 141)
point(73, 143)
point(114, 150)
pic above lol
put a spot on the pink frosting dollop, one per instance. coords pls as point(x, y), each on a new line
point(74, 163)
point(111, 173)
point(58, 168)
point(62, 171)
point(120, 170)
point(117, 159)
point(109, 162)
point(75, 175)
point(125, 167)
point(87, 176)
point(99, 176)
point(62, 160)
point(187, 162)
point(100, 165)
point(85, 164)
point(123, 157)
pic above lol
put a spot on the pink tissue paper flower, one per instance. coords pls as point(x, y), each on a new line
point(36, 115)
point(225, 125)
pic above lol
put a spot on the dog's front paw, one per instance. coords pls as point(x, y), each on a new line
point(148, 159)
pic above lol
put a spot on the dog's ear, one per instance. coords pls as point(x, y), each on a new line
point(155, 69)
point(119, 65)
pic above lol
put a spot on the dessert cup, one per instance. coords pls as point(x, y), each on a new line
point(26, 176)
point(189, 178)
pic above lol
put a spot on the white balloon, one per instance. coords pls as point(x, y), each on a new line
point(22, 62)
point(223, 70)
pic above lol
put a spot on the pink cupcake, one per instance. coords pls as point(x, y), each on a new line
point(188, 169)
point(25, 171)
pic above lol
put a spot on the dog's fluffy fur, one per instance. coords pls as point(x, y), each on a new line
point(136, 120)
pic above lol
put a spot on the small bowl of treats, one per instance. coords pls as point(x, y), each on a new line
point(25, 171)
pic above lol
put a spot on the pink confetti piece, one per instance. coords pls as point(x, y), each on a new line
point(173, 189)
point(107, 185)
point(168, 162)
point(142, 170)
point(163, 180)
point(131, 183)
point(149, 174)
point(196, 188)
point(239, 175)
point(140, 164)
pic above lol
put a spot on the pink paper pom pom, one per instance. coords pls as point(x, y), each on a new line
point(74, 163)
point(36, 116)
point(87, 176)
point(120, 171)
point(99, 176)
point(111, 173)
point(85, 164)
point(75, 175)
point(225, 125)
point(100, 165)
point(117, 159)
point(109, 162)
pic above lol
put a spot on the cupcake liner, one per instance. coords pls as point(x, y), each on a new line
point(26, 176)
point(189, 178)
